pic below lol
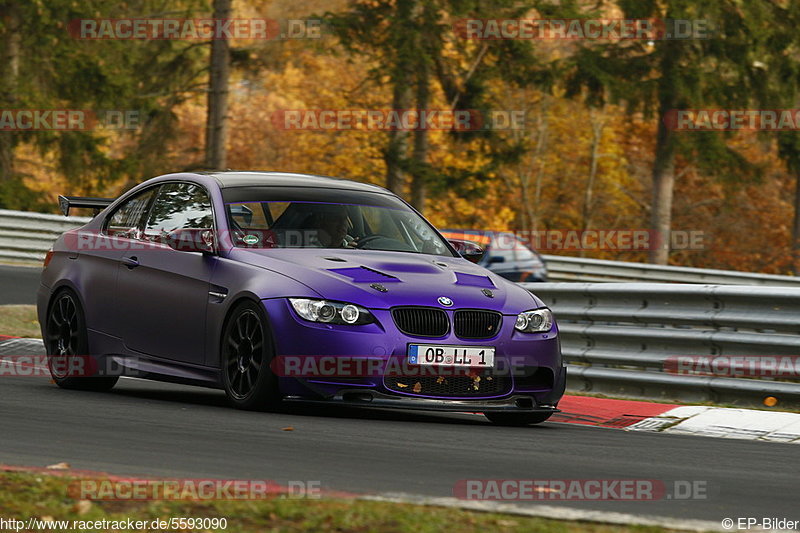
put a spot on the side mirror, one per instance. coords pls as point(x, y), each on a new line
point(191, 240)
point(467, 249)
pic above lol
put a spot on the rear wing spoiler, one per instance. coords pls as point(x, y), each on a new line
point(98, 204)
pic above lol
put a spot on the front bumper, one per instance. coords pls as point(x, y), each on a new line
point(382, 341)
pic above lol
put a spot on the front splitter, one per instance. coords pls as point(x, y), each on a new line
point(362, 398)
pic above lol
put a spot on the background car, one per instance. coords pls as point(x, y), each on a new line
point(241, 280)
point(505, 254)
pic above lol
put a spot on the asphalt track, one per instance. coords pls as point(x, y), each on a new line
point(145, 428)
point(152, 429)
point(18, 285)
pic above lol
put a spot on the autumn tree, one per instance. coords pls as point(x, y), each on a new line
point(718, 64)
point(47, 66)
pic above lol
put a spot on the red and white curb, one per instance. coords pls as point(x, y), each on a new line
point(722, 422)
point(728, 423)
point(590, 411)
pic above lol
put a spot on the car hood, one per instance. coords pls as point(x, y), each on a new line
point(408, 279)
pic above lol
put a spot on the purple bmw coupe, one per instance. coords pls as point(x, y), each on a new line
point(287, 287)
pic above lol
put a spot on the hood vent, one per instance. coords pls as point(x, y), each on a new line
point(363, 274)
point(473, 280)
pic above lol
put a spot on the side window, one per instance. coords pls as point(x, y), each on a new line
point(125, 220)
point(179, 206)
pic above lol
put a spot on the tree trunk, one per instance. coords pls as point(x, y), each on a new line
point(663, 186)
point(420, 155)
point(398, 141)
point(9, 80)
point(664, 164)
point(395, 155)
point(216, 121)
point(534, 209)
point(796, 227)
point(597, 125)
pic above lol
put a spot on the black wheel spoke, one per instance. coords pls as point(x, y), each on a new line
point(243, 353)
point(242, 335)
point(235, 384)
point(55, 319)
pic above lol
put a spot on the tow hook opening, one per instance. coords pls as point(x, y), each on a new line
point(524, 403)
point(357, 397)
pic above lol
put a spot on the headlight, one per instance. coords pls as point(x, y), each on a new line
point(331, 312)
point(535, 321)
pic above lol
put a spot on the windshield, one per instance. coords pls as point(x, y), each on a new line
point(354, 220)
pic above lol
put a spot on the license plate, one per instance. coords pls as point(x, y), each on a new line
point(447, 355)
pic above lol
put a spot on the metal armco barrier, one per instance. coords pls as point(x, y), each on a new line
point(617, 338)
point(27, 236)
point(564, 268)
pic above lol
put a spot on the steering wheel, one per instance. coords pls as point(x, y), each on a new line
point(366, 239)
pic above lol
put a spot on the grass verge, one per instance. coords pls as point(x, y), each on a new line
point(19, 321)
point(25, 495)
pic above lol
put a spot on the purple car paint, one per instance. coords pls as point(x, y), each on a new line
point(218, 313)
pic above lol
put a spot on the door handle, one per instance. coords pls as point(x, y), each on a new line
point(130, 262)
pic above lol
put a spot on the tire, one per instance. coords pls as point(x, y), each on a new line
point(67, 345)
point(517, 419)
point(245, 355)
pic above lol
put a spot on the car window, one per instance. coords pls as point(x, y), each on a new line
point(503, 246)
point(522, 252)
point(380, 223)
point(179, 206)
point(287, 223)
point(256, 215)
point(125, 220)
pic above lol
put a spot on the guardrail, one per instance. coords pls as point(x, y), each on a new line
point(565, 268)
point(618, 338)
point(27, 236)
